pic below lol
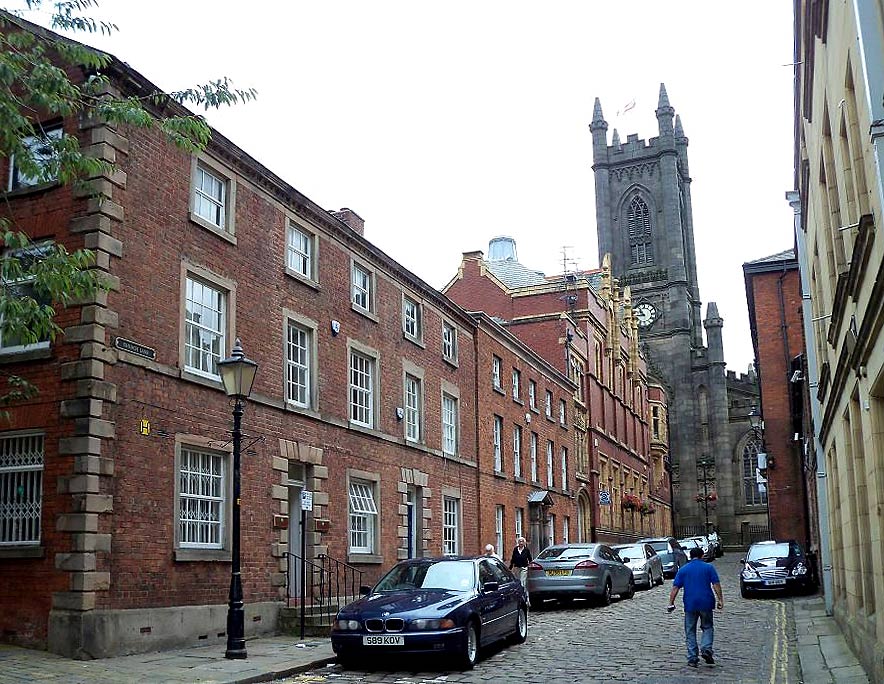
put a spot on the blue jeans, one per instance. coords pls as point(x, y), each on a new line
point(707, 633)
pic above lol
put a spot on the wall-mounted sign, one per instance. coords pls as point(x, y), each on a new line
point(125, 345)
point(306, 500)
point(144, 427)
point(604, 497)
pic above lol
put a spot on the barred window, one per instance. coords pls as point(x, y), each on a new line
point(363, 517)
point(202, 482)
point(21, 489)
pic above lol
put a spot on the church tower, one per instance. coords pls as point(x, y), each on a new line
point(645, 222)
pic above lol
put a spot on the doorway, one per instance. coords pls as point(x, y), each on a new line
point(296, 479)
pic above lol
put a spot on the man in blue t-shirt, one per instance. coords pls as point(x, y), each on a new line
point(699, 580)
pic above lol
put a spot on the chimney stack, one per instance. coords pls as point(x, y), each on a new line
point(351, 218)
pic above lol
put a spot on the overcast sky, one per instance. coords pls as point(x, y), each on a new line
point(446, 124)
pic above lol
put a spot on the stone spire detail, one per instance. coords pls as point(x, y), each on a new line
point(615, 139)
point(665, 112)
point(679, 131)
point(598, 119)
point(664, 98)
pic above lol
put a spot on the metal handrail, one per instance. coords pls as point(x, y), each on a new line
point(346, 576)
point(326, 581)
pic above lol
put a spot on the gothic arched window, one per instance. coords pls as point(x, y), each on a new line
point(754, 492)
point(638, 220)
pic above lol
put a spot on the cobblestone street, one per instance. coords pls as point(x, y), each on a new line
point(628, 641)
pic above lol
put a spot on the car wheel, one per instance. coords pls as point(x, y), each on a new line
point(744, 592)
point(535, 603)
point(566, 601)
point(521, 633)
point(630, 589)
point(605, 598)
point(469, 652)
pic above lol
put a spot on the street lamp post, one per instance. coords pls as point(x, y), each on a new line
point(237, 374)
point(756, 423)
point(705, 464)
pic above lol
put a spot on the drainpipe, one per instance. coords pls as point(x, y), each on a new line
point(812, 385)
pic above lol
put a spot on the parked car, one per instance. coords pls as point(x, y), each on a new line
point(569, 571)
point(704, 543)
point(671, 554)
point(434, 605)
point(776, 566)
point(689, 543)
point(646, 566)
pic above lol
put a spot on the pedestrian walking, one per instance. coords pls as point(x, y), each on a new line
point(489, 551)
point(699, 580)
point(520, 560)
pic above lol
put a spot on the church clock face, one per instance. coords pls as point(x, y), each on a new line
point(646, 314)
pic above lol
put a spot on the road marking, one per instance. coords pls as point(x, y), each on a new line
point(780, 657)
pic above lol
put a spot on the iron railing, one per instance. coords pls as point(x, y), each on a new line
point(325, 584)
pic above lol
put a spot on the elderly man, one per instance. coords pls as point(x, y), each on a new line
point(520, 560)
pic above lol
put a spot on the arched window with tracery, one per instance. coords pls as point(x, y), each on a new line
point(754, 492)
point(638, 220)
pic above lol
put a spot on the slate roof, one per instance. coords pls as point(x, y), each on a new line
point(515, 275)
point(780, 256)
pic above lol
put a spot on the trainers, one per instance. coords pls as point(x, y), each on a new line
point(692, 663)
point(707, 656)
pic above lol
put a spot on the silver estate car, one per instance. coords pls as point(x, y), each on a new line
point(647, 568)
point(569, 571)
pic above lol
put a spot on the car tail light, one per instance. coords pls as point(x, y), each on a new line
point(534, 566)
point(586, 564)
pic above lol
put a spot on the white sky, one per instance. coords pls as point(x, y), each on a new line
point(446, 124)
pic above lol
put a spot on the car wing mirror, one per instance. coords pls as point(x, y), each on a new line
point(490, 586)
point(625, 559)
point(364, 590)
point(742, 560)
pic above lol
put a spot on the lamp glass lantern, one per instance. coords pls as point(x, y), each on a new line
point(238, 373)
point(755, 420)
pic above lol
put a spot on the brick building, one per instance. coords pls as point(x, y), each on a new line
point(584, 325)
point(773, 294)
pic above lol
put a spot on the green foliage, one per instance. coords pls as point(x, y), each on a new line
point(36, 91)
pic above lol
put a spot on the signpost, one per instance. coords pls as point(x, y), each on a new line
point(306, 505)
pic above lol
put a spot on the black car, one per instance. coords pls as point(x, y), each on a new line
point(449, 605)
point(776, 566)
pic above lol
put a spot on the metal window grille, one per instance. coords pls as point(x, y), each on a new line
point(204, 328)
point(361, 389)
point(361, 287)
point(496, 430)
point(517, 451)
point(450, 526)
point(363, 513)
point(412, 408)
point(449, 424)
point(300, 252)
point(21, 489)
point(298, 365)
point(209, 197)
point(202, 485)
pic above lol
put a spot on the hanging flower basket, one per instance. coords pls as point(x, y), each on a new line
point(647, 509)
point(631, 502)
point(711, 496)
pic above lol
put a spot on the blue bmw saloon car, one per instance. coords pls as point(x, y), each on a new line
point(449, 605)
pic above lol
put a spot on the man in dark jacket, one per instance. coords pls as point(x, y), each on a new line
point(520, 559)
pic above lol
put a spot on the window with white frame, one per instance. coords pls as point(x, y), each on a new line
point(363, 295)
point(450, 525)
point(566, 529)
point(563, 412)
point(551, 528)
point(550, 452)
point(532, 451)
point(21, 489)
point(362, 380)
point(413, 408)
point(363, 517)
point(449, 342)
point(520, 522)
point(412, 323)
point(42, 155)
point(18, 284)
point(449, 424)
point(202, 498)
point(532, 395)
point(205, 327)
point(517, 451)
point(498, 530)
point(497, 430)
point(210, 197)
point(564, 455)
point(549, 400)
point(299, 251)
point(298, 359)
point(517, 383)
point(495, 372)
